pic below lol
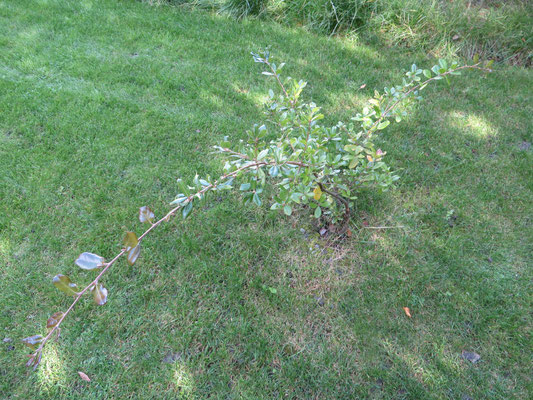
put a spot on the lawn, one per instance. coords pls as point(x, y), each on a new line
point(104, 104)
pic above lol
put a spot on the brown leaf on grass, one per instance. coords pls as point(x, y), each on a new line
point(407, 311)
point(362, 86)
point(84, 376)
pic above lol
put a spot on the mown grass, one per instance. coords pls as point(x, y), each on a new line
point(105, 103)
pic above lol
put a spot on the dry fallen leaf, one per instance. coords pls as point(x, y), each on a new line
point(407, 311)
point(362, 86)
point(84, 376)
point(470, 356)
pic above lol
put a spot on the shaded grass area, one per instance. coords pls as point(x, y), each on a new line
point(104, 104)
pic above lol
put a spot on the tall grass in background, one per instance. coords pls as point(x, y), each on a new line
point(494, 29)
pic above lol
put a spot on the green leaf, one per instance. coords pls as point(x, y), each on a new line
point(130, 241)
point(179, 200)
point(204, 183)
point(187, 210)
point(64, 284)
point(32, 341)
point(145, 214)
point(443, 64)
point(296, 197)
point(273, 171)
point(89, 261)
point(427, 73)
point(54, 320)
point(476, 58)
point(99, 294)
point(383, 125)
point(287, 210)
point(133, 254)
point(489, 64)
point(257, 199)
point(262, 154)
point(245, 186)
point(318, 212)
point(275, 206)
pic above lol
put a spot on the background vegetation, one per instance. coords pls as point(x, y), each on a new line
point(495, 29)
point(105, 103)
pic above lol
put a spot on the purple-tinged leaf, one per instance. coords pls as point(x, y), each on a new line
point(89, 261)
point(133, 254)
point(54, 320)
point(100, 294)
point(64, 284)
point(130, 241)
point(32, 341)
point(145, 214)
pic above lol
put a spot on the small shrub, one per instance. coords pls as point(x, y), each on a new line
point(303, 164)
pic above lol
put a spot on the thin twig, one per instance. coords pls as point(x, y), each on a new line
point(167, 217)
point(170, 214)
point(416, 87)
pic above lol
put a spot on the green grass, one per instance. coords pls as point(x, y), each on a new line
point(105, 103)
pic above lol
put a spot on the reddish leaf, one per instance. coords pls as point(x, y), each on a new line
point(54, 319)
point(99, 294)
point(407, 311)
point(35, 360)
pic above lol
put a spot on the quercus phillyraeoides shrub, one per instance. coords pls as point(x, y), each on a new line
point(315, 167)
